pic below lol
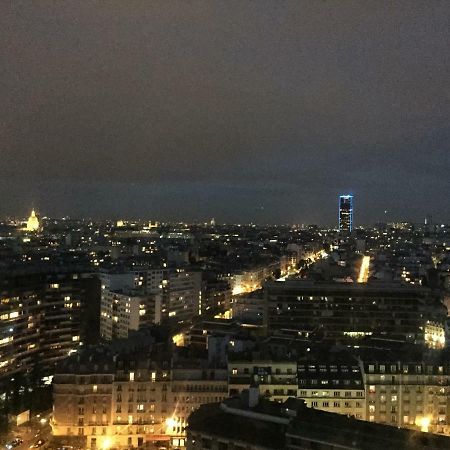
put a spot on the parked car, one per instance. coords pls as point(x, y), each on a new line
point(14, 443)
point(38, 443)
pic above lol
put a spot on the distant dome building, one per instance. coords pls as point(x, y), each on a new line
point(32, 222)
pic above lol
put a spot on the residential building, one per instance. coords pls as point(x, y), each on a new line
point(276, 380)
point(253, 423)
point(332, 386)
point(44, 317)
point(104, 398)
point(408, 394)
point(349, 312)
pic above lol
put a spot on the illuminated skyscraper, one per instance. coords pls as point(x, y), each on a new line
point(345, 213)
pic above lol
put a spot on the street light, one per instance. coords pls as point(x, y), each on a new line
point(424, 423)
point(107, 443)
point(171, 422)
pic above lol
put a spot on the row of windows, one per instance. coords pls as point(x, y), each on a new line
point(315, 404)
point(246, 371)
point(326, 382)
point(323, 368)
point(382, 368)
point(327, 394)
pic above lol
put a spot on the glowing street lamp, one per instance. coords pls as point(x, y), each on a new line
point(171, 422)
point(423, 423)
point(107, 443)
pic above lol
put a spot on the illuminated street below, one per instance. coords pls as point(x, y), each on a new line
point(364, 270)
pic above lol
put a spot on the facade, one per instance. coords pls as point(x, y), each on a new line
point(349, 312)
point(190, 387)
point(107, 401)
point(121, 313)
point(346, 213)
point(43, 317)
point(249, 308)
point(333, 386)
point(182, 296)
point(133, 299)
point(217, 297)
point(407, 395)
point(276, 380)
point(412, 395)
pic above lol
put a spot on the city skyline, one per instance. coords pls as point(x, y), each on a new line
point(35, 213)
point(224, 225)
point(260, 113)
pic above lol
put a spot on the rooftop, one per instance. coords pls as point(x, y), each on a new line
point(269, 423)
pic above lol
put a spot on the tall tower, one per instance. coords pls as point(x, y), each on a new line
point(346, 213)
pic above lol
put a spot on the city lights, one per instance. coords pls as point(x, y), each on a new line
point(174, 273)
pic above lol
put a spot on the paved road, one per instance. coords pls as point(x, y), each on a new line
point(33, 431)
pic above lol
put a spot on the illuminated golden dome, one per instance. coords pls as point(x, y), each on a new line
point(33, 222)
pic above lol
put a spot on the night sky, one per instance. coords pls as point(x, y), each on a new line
point(243, 111)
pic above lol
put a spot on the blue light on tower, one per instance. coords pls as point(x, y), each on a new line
point(346, 213)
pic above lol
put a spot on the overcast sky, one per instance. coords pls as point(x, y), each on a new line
point(244, 111)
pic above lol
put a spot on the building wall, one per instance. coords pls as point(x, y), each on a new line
point(120, 313)
point(276, 380)
point(403, 395)
point(130, 407)
point(343, 312)
point(42, 319)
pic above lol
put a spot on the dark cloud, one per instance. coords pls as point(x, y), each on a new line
point(246, 110)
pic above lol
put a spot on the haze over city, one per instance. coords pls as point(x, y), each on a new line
point(224, 225)
point(243, 111)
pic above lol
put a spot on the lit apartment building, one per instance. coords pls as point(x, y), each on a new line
point(182, 296)
point(102, 400)
point(110, 403)
point(121, 313)
point(192, 386)
point(276, 380)
point(43, 317)
point(132, 299)
point(348, 311)
point(217, 297)
point(332, 386)
point(413, 395)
